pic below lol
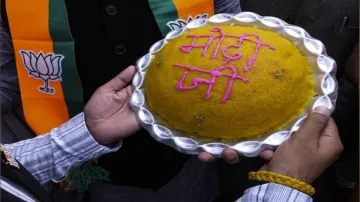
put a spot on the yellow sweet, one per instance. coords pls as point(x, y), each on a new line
point(280, 86)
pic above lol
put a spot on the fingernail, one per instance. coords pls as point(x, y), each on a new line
point(206, 157)
point(322, 110)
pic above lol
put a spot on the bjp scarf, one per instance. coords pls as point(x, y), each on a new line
point(50, 86)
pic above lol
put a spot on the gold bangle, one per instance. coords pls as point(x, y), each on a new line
point(283, 180)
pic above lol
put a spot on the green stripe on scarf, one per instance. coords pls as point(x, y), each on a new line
point(63, 43)
point(163, 11)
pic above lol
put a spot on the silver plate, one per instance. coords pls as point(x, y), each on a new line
point(324, 76)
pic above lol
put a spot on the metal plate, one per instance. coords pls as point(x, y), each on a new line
point(312, 49)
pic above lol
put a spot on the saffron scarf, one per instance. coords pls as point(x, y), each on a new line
point(50, 86)
point(175, 14)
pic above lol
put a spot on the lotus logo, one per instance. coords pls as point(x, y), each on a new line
point(43, 67)
point(180, 23)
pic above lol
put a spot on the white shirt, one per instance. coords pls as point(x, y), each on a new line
point(49, 157)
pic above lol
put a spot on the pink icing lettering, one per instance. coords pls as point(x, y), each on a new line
point(235, 56)
point(214, 73)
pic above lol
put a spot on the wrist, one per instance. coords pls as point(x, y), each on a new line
point(101, 139)
point(295, 175)
point(268, 176)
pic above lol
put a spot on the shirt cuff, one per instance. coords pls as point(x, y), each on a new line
point(103, 149)
point(76, 145)
point(272, 192)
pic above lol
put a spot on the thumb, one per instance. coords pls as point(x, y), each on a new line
point(330, 146)
point(330, 137)
point(121, 80)
point(314, 123)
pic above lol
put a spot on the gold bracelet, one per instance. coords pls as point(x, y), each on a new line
point(283, 180)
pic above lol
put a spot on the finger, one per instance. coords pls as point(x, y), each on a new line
point(314, 124)
point(123, 95)
point(206, 157)
point(265, 166)
point(267, 155)
point(330, 139)
point(121, 80)
point(230, 156)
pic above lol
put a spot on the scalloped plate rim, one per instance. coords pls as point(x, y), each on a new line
point(261, 144)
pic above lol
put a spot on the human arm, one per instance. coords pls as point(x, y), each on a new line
point(303, 157)
point(272, 192)
point(106, 120)
point(50, 156)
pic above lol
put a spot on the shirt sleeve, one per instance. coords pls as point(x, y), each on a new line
point(50, 156)
point(273, 192)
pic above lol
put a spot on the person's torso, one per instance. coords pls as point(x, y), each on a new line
point(111, 35)
point(334, 22)
point(102, 39)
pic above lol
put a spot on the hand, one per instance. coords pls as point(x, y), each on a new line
point(229, 155)
point(310, 151)
point(108, 115)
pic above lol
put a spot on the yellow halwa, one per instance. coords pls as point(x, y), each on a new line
point(279, 89)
